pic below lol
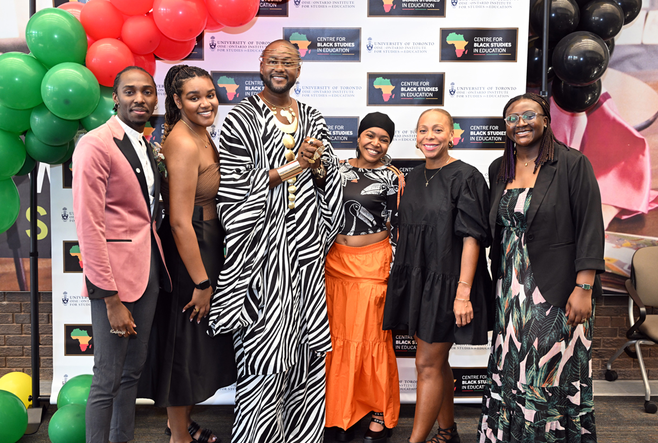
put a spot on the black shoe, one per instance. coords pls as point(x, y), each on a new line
point(345, 434)
point(377, 437)
point(446, 435)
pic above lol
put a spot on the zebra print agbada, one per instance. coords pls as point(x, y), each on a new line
point(271, 292)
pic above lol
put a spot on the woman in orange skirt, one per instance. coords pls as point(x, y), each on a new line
point(362, 374)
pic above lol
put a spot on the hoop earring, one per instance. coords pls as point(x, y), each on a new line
point(450, 144)
point(386, 159)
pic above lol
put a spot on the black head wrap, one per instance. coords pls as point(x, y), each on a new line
point(377, 120)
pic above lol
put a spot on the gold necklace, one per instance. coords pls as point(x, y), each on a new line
point(288, 143)
point(288, 114)
point(526, 163)
point(195, 133)
point(427, 181)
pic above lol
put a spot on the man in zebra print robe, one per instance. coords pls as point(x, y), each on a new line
point(271, 292)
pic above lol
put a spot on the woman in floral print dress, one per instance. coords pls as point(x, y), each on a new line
point(547, 249)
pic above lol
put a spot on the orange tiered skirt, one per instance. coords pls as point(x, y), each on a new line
point(362, 373)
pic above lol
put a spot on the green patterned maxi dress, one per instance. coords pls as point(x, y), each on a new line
point(539, 387)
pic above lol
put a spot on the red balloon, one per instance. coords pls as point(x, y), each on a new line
point(72, 7)
point(140, 34)
point(180, 20)
point(133, 7)
point(101, 20)
point(212, 25)
point(146, 61)
point(106, 58)
point(233, 13)
point(172, 50)
point(90, 41)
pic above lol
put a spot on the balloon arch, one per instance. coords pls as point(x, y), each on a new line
point(76, 51)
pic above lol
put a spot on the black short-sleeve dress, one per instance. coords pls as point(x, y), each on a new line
point(435, 217)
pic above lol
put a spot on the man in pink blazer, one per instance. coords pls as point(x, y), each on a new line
point(116, 189)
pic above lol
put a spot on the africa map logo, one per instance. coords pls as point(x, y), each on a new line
point(72, 256)
point(388, 5)
point(457, 40)
point(302, 42)
point(458, 131)
point(229, 86)
point(78, 340)
point(384, 85)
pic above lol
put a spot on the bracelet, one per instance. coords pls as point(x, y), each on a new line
point(463, 299)
point(289, 170)
point(463, 283)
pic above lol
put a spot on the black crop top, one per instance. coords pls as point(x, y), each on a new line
point(370, 199)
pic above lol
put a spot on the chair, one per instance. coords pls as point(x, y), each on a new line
point(642, 289)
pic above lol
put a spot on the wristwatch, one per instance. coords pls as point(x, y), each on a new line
point(203, 285)
point(585, 286)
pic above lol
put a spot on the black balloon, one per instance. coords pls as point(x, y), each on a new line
point(535, 68)
point(611, 45)
point(580, 58)
point(575, 98)
point(563, 19)
point(631, 9)
point(602, 17)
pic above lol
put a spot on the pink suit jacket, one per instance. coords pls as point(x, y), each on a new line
point(113, 215)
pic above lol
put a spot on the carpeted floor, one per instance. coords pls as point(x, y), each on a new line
point(618, 419)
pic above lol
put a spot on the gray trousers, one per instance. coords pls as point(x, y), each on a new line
point(118, 364)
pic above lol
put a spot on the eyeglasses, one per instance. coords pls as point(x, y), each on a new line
point(527, 117)
point(274, 62)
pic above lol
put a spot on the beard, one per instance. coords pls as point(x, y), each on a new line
point(278, 90)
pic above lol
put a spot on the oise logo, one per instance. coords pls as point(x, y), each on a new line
point(452, 89)
point(369, 46)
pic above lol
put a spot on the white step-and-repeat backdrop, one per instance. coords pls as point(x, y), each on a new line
point(359, 56)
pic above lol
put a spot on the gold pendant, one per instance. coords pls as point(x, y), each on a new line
point(285, 113)
point(290, 156)
point(292, 189)
point(291, 206)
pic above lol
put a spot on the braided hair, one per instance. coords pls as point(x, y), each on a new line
point(507, 170)
point(117, 80)
point(173, 84)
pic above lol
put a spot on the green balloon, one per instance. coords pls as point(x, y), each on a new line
point(103, 111)
point(51, 129)
point(67, 425)
point(12, 154)
point(70, 91)
point(28, 166)
point(43, 152)
point(55, 36)
point(13, 419)
point(69, 153)
point(14, 120)
point(20, 80)
point(10, 201)
point(75, 391)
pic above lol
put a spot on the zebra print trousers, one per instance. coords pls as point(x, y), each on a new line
point(287, 407)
